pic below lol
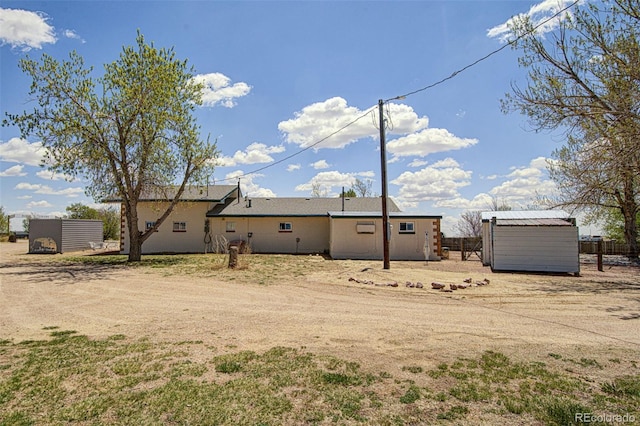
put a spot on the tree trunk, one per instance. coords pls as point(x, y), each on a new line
point(631, 234)
point(135, 236)
point(135, 246)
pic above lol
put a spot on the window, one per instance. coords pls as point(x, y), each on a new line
point(285, 227)
point(148, 225)
point(179, 226)
point(231, 227)
point(407, 228)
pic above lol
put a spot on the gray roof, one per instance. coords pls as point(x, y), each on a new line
point(533, 222)
point(525, 214)
point(374, 214)
point(191, 193)
point(314, 206)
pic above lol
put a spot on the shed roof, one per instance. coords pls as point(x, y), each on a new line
point(533, 222)
point(525, 214)
point(296, 206)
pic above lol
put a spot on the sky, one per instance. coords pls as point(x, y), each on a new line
point(291, 96)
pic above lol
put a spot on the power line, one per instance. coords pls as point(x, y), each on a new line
point(288, 157)
point(437, 83)
point(508, 44)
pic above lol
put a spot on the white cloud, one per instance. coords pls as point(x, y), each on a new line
point(322, 119)
point(538, 13)
point(49, 175)
point(18, 150)
point(520, 189)
point(24, 29)
point(47, 190)
point(293, 167)
point(13, 171)
point(525, 184)
point(481, 201)
point(254, 154)
point(73, 35)
point(38, 204)
point(417, 163)
point(439, 181)
point(321, 164)
point(427, 141)
point(333, 179)
point(219, 90)
point(24, 197)
point(248, 186)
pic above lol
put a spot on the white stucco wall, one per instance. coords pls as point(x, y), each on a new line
point(166, 240)
point(347, 243)
point(307, 234)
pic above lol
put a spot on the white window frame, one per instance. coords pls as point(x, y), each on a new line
point(179, 226)
point(285, 227)
point(409, 228)
point(231, 227)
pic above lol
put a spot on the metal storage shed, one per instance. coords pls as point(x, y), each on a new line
point(531, 241)
point(63, 235)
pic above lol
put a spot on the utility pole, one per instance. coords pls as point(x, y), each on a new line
point(386, 230)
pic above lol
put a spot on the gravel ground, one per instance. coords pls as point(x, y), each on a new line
point(523, 315)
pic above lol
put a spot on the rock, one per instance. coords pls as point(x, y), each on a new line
point(486, 280)
point(446, 290)
point(393, 284)
point(480, 283)
point(467, 280)
point(462, 286)
point(419, 285)
point(453, 286)
point(410, 284)
point(437, 286)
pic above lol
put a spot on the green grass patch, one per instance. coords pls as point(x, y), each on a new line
point(73, 379)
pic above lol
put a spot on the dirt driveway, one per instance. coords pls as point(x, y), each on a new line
point(522, 315)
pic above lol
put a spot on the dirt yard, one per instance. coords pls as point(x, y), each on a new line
point(321, 309)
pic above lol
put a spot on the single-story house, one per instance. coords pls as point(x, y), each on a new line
point(531, 241)
point(350, 227)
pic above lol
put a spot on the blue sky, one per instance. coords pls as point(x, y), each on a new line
point(282, 75)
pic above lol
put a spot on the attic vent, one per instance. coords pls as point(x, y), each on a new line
point(248, 202)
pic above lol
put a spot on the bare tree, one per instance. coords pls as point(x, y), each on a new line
point(317, 190)
point(362, 187)
point(470, 224)
point(497, 205)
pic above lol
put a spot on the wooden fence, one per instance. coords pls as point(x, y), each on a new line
point(608, 247)
point(586, 247)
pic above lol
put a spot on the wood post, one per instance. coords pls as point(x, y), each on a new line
point(233, 257)
point(600, 268)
